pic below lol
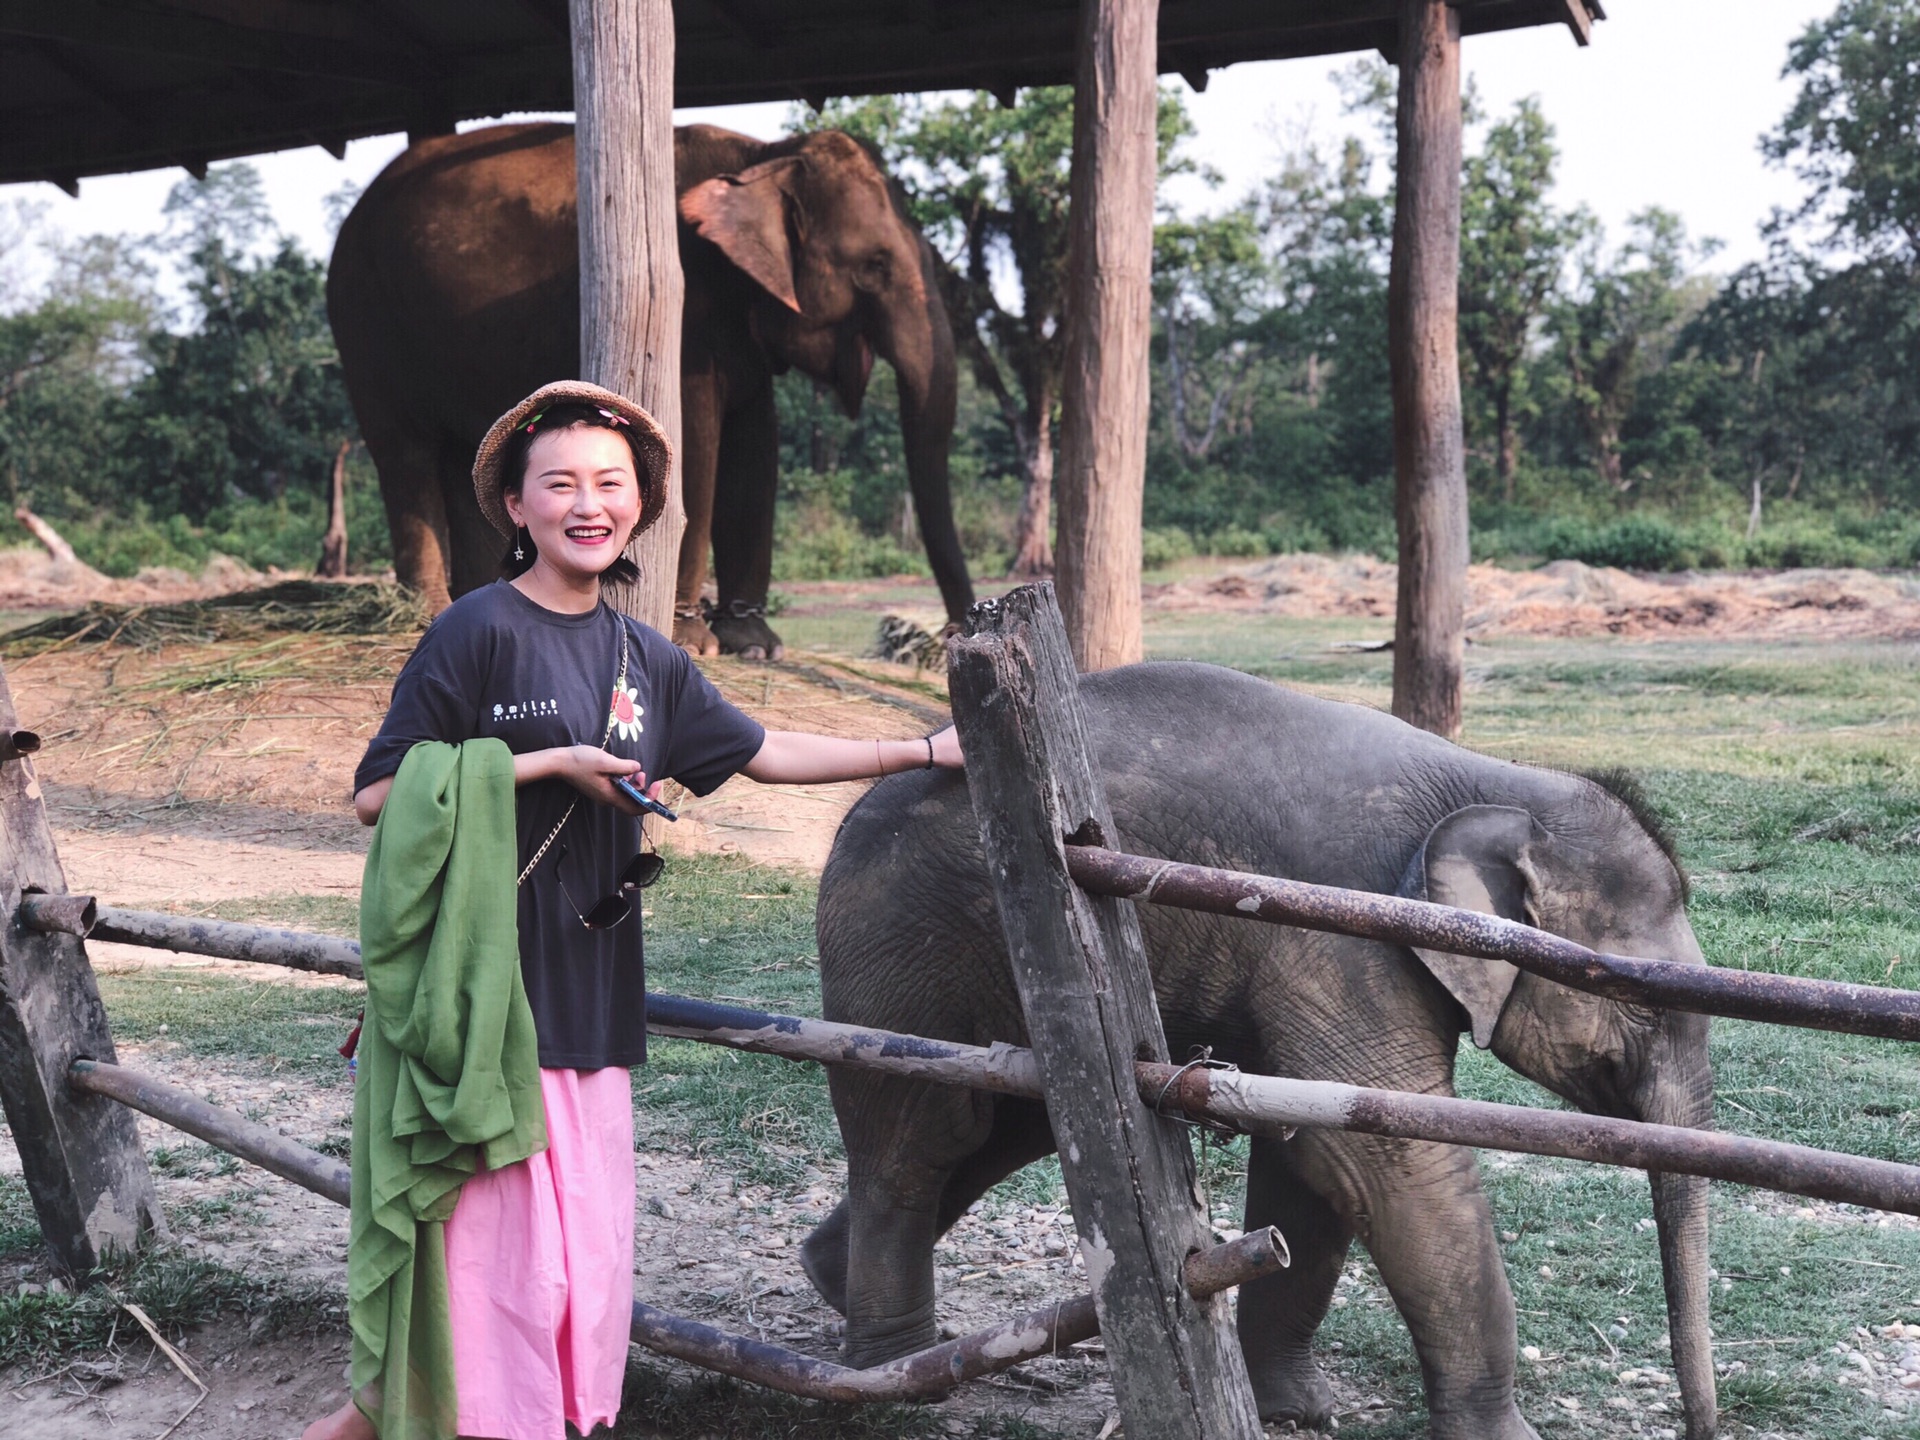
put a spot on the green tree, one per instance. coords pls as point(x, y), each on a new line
point(1618, 325)
point(65, 359)
point(1853, 133)
point(1212, 291)
point(249, 402)
point(1514, 246)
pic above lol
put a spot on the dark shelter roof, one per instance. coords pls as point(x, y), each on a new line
point(93, 87)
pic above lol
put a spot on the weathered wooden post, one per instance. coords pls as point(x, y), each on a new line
point(630, 282)
point(80, 1154)
point(1108, 305)
point(1082, 973)
point(1423, 322)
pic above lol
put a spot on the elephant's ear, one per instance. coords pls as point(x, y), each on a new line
point(1477, 859)
point(746, 216)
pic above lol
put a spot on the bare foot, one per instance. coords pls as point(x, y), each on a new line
point(346, 1423)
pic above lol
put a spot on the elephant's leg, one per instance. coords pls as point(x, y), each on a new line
point(1424, 1218)
point(1021, 1135)
point(474, 546)
point(1278, 1316)
point(890, 1291)
point(408, 465)
point(904, 1139)
point(745, 485)
point(702, 403)
point(823, 1256)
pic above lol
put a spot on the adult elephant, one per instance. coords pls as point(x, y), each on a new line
point(1209, 766)
point(454, 290)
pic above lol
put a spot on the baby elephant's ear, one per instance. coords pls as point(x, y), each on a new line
point(1477, 859)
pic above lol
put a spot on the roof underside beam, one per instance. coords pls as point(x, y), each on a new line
point(159, 83)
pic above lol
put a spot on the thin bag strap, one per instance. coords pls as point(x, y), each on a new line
point(619, 683)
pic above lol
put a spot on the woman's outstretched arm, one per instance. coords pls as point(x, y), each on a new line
point(793, 757)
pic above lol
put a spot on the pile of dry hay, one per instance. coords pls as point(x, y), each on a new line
point(315, 607)
point(906, 640)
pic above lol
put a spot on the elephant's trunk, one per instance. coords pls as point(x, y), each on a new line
point(1680, 1210)
point(921, 351)
point(1681, 1093)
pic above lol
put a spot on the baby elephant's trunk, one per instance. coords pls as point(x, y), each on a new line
point(1680, 1092)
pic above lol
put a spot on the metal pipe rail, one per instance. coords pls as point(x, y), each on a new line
point(1272, 1105)
point(1735, 994)
point(929, 1373)
point(82, 915)
point(221, 1129)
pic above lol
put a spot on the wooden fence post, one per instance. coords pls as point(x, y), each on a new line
point(1423, 336)
point(80, 1154)
point(1104, 388)
point(631, 287)
point(1082, 973)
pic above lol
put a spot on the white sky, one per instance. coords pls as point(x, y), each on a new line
point(1665, 108)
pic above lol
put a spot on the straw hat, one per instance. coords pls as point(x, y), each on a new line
point(651, 447)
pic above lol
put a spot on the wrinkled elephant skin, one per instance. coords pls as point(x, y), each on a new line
point(454, 291)
point(1212, 767)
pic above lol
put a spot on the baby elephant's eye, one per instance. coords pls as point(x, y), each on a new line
point(877, 268)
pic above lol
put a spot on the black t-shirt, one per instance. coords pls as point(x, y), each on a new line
point(497, 664)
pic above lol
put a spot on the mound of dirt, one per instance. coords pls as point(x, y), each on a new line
point(1571, 599)
point(31, 580)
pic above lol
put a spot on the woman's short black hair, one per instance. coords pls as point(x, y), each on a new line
point(513, 469)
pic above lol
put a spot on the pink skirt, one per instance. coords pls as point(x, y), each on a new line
point(540, 1270)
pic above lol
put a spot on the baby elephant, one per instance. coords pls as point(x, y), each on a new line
point(1211, 767)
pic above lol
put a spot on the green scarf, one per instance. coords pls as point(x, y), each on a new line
point(449, 1067)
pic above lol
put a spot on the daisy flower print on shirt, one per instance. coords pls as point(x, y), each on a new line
point(627, 711)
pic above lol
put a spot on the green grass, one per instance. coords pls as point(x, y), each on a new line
point(274, 1026)
point(178, 1292)
point(766, 1118)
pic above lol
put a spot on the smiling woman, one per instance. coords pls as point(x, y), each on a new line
point(538, 1251)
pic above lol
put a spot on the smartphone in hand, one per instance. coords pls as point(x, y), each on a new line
point(640, 797)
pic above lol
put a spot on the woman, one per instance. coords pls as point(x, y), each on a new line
point(539, 1253)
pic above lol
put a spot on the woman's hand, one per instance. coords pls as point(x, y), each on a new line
point(592, 771)
point(587, 768)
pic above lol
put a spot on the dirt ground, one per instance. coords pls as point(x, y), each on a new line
point(188, 776)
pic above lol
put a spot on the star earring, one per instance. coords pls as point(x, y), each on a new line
point(517, 553)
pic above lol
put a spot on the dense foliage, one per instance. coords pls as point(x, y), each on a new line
point(1627, 402)
point(159, 430)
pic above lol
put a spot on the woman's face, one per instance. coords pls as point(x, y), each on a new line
point(579, 500)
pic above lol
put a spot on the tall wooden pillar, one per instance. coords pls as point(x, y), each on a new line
point(630, 282)
point(1429, 447)
point(1108, 303)
point(79, 1154)
point(1080, 967)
